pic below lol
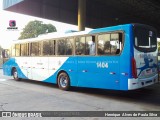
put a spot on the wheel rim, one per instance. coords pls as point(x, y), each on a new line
point(63, 81)
point(15, 74)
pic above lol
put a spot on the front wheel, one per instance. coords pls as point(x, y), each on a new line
point(63, 81)
point(15, 74)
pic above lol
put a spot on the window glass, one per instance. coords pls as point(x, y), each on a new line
point(49, 47)
point(110, 44)
point(46, 48)
point(145, 38)
point(115, 44)
point(104, 44)
point(90, 45)
point(69, 46)
point(17, 47)
point(80, 46)
point(61, 47)
point(52, 47)
point(85, 45)
point(13, 50)
point(24, 49)
point(35, 49)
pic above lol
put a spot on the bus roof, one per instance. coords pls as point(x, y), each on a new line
point(56, 35)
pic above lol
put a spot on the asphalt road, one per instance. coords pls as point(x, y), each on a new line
point(28, 95)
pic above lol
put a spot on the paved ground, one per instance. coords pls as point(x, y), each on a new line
point(36, 96)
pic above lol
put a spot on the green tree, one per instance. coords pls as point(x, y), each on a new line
point(35, 28)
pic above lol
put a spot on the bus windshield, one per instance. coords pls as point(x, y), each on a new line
point(145, 39)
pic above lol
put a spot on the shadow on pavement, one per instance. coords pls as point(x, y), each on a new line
point(147, 95)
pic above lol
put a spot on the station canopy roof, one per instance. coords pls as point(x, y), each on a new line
point(99, 13)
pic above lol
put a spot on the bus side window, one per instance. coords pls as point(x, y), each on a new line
point(121, 41)
point(80, 46)
point(61, 47)
point(35, 48)
point(5, 53)
point(13, 52)
point(110, 44)
point(46, 48)
point(17, 48)
point(90, 45)
point(24, 49)
point(116, 43)
point(85, 45)
point(69, 46)
point(104, 44)
point(52, 44)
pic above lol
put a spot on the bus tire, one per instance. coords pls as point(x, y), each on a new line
point(63, 81)
point(15, 74)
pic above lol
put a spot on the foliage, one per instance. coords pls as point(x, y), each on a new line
point(35, 28)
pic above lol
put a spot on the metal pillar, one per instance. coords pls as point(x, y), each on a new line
point(81, 14)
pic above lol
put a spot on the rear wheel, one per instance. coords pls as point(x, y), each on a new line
point(15, 74)
point(63, 81)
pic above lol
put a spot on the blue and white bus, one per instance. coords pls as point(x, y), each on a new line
point(122, 57)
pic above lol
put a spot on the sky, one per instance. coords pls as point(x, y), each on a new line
point(7, 36)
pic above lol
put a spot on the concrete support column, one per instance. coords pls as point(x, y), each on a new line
point(81, 14)
point(44, 9)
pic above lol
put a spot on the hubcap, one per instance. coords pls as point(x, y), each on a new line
point(63, 81)
point(15, 74)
